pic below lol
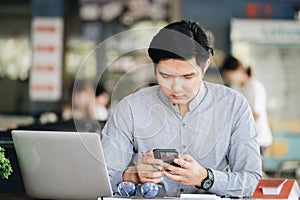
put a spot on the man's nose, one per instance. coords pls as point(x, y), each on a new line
point(178, 84)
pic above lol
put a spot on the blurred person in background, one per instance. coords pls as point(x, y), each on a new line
point(81, 104)
point(101, 103)
point(87, 102)
point(240, 76)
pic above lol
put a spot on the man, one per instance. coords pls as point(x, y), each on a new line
point(211, 126)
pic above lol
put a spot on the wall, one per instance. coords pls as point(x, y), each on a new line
point(215, 15)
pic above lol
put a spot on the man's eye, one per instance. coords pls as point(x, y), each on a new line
point(165, 76)
point(188, 77)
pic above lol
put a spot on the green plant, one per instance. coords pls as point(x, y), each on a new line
point(5, 166)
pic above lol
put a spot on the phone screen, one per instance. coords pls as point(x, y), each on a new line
point(166, 155)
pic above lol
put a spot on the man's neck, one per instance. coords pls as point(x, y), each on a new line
point(183, 108)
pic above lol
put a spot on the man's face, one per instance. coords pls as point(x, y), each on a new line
point(180, 80)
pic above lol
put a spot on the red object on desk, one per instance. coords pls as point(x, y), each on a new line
point(272, 186)
point(289, 187)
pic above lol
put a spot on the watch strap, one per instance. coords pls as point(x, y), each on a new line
point(207, 182)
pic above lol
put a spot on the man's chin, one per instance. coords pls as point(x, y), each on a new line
point(178, 101)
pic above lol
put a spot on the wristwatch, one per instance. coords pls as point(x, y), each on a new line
point(208, 182)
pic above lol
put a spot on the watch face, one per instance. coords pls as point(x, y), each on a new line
point(207, 184)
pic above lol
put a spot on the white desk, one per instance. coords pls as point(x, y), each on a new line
point(136, 198)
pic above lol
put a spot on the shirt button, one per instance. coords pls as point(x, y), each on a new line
point(181, 190)
point(183, 146)
point(183, 124)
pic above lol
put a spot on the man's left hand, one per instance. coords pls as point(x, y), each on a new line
point(190, 172)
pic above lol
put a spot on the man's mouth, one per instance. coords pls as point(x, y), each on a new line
point(177, 96)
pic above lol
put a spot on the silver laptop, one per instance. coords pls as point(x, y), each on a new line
point(62, 165)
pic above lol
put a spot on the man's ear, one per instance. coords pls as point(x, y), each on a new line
point(206, 65)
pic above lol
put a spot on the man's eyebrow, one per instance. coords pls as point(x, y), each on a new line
point(190, 74)
point(162, 73)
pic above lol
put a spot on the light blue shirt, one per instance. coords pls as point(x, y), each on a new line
point(218, 131)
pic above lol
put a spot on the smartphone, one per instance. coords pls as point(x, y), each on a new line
point(166, 155)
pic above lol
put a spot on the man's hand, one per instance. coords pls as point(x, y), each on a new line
point(147, 169)
point(190, 173)
point(150, 169)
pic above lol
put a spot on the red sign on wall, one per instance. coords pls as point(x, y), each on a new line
point(46, 71)
point(258, 10)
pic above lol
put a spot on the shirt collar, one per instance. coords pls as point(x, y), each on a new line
point(193, 104)
point(199, 97)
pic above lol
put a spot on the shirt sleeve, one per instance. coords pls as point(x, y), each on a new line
point(117, 142)
point(243, 157)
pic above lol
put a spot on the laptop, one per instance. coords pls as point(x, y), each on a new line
point(62, 165)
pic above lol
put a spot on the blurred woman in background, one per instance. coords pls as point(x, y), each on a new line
point(236, 74)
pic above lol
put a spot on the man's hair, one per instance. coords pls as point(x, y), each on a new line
point(181, 40)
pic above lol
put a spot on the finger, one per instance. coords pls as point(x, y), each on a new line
point(186, 157)
point(179, 178)
point(149, 153)
point(147, 164)
point(157, 167)
point(174, 169)
point(173, 176)
point(151, 168)
point(155, 175)
point(151, 176)
point(150, 161)
point(176, 178)
point(156, 180)
point(169, 175)
point(183, 163)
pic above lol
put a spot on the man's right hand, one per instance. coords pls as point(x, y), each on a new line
point(150, 169)
point(147, 169)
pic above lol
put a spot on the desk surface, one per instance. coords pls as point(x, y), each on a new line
point(24, 197)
